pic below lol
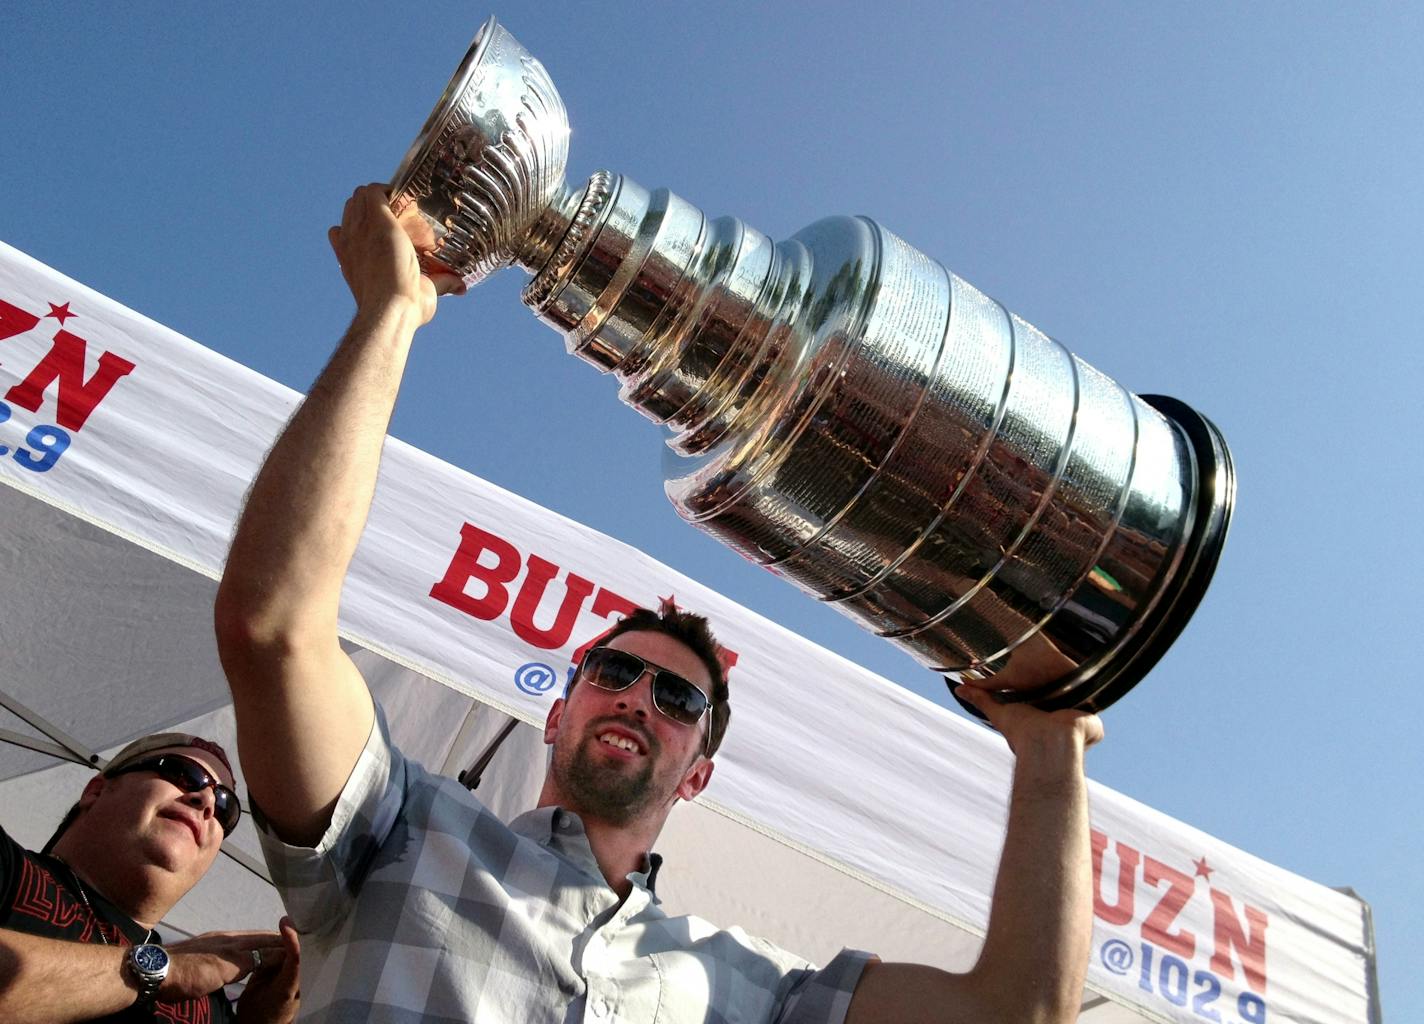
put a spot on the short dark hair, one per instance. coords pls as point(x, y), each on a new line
point(693, 632)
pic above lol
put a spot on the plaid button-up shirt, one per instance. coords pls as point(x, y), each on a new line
point(420, 905)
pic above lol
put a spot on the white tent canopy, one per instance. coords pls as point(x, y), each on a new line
point(845, 811)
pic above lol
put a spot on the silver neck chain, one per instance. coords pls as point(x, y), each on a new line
point(84, 895)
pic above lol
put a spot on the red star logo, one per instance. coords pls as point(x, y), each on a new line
point(60, 313)
point(1202, 870)
point(667, 604)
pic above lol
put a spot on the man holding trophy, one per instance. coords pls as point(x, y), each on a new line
point(415, 902)
point(855, 417)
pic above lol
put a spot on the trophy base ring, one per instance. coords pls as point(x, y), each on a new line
point(1100, 686)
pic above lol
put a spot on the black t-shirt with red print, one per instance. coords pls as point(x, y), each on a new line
point(39, 896)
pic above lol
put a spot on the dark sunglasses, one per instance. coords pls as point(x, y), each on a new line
point(191, 777)
point(677, 698)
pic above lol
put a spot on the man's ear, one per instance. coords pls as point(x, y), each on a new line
point(695, 779)
point(92, 789)
point(551, 724)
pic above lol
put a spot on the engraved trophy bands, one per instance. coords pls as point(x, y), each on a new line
point(850, 414)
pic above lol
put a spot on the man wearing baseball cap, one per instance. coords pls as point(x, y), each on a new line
point(77, 919)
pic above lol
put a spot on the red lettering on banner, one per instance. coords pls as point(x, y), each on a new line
point(1249, 942)
point(605, 603)
point(468, 563)
point(531, 592)
point(1234, 940)
point(465, 566)
point(64, 363)
point(725, 658)
point(14, 320)
point(1121, 911)
point(1157, 927)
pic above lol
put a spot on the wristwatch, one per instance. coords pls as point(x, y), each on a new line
point(148, 963)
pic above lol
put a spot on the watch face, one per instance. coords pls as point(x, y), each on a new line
point(150, 959)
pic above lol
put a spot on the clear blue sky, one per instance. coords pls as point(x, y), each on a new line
point(1220, 202)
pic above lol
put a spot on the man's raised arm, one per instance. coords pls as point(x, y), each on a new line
point(303, 710)
point(1035, 955)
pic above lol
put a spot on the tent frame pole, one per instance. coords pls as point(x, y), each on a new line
point(73, 749)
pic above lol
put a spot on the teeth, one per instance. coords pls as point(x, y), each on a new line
point(621, 742)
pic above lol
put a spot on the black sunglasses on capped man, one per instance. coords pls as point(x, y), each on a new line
point(191, 777)
point(675, 697)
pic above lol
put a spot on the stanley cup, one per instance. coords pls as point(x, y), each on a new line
point(847, 412)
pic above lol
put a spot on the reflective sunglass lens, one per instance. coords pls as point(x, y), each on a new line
point(190, 777)
point(674, 696)
point(612, 669)
point(679, 699)
point(226, 808)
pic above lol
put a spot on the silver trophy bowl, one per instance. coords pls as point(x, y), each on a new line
point(843, 410)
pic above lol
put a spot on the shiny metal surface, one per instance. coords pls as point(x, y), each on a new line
point(848, 413)
point(488, 163)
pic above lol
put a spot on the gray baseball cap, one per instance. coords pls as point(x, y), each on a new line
point(165, 741)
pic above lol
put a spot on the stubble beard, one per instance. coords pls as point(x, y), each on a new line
point(610, 792)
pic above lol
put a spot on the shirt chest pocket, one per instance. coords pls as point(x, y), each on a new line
point(698, 986)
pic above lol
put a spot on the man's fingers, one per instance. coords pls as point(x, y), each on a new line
point(1017, 721)
point(235, 947)
point(379, 258)
point(241, 938)
point(210, 961)
point(253, 938)
point(981, 700)
point(269, 958)
point(292, 956)
point(1093, 729)
point(260, 962)
point(371, 199)
point(447, 284)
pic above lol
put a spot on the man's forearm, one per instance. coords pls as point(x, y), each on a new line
point(303, 710)
point(309, 503)
point(52, 981)
point(1035, 954)
point(59, 980)
point(1040, 924)
point(1031, 967)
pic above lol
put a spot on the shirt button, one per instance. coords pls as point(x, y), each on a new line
point(600, 1007)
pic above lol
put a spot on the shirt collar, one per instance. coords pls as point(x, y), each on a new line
point(563, 830)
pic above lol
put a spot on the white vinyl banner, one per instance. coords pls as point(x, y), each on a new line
point(109, 416)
